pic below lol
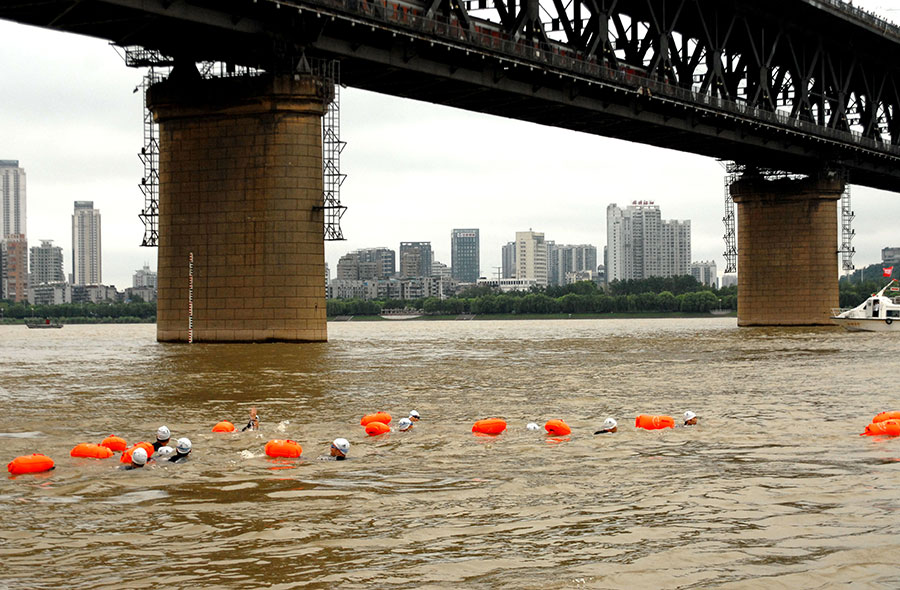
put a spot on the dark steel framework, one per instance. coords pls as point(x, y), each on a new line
point(790, 84)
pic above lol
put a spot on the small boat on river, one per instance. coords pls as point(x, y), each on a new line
point(878, 313)
point(45, 324)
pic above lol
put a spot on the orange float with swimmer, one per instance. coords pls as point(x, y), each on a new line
point(223, 426)
point(126, 455)
point(489, 426)
point(375, 428)
point(91, 451)
point(557, 428)
point(382, 417)
point(35, 463)
point(654, 422)
point(886, 416)
point(283, 448)
point(114, 443)
point(888, 427)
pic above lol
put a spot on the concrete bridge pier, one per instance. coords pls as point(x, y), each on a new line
point(787, 249)
point(241, 190)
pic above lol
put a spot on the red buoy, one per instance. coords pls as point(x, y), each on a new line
point(382, 417)
point(489, 426)
point(557, 428)
point(654, 422)
point(375, 428)
point(223, 426)
point(283, 448)
point(91, 451)
point(35, 463)
point(114, 443)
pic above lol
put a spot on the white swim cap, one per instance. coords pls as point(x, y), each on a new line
point(609, 424)
point(689, 415)
point(165, 451)
point(163, 433)
point(139, 456)
point(532, 426)
point(414, 414)
point(341, 444)
point(404, 424)
point(183, 446)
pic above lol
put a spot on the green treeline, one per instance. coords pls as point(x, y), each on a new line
point(654, 295)
point(80, 313)
point(862, 283)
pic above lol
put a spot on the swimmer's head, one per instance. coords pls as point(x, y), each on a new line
point(414, 416)
point(690, 417)
point(164, 451)
point(404, 424)
point(163, 433)
point(609, 424)
point(532, 426)
point(183, 446)
point(340, 447)
point(139, 457)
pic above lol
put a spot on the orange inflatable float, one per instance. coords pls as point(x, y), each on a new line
point(654, 422)
point(283, 448)
point(382, 417)
point(126, 456)
point(557, 428)
point(489, 426)
point(888, 427)
point(91, 451)
point(30, 464)
point(223, 426)
point(886, 416)
point(375, 428)
point(114, 443)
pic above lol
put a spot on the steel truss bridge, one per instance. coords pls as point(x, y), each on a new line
point(795, 85)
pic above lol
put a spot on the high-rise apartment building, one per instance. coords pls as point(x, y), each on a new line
point(705, 273)
point(86, 268)
point(47, 264)
point(465, 255)
point(366, 264)
point(415, 259)
point(640, 244)
point(890, 256)
point(12, 199)
point(508, 261)
point(144, 278)
point(531, 257)
point(14, 268)
point(571, 259)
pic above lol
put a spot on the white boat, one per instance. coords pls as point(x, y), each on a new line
point(878, 313)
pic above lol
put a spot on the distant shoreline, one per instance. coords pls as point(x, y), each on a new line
point(532, 316)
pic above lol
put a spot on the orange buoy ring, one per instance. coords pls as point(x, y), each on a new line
point(557, 428)
point(382, 417)
point(654, 422)
point(126, 455)
point(889, 427)
point(375, 428)
point(114, 443)
point(91, 451)
point(886, 416)
point(489, 426)
point(283, 448)
point(35, 463)
point(223, 426)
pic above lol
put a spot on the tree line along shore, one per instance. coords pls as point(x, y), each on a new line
point(653, 297)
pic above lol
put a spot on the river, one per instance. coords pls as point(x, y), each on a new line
point(773, 488)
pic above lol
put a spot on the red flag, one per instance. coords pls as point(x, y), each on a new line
point(887, 270)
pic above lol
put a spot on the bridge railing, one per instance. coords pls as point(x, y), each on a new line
point(567, 62)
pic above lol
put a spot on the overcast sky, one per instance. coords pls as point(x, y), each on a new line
point(68, 113)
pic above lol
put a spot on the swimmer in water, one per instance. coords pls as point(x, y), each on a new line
point(609, 426)
point(690, 418)
point(253, 424)
point(404, 424)
point(339, 449)
point(162, 440)
point(138, 459)
point(532, 426)
point(414, 416)
point(182, 450)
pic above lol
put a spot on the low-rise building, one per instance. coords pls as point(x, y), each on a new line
point(507, 285)
point(50, 294)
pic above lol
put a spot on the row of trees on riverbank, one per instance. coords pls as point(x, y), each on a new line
point(80, 313)
point(655, 295)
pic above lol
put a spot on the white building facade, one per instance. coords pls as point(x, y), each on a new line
point(86, 264)
point(640, 244)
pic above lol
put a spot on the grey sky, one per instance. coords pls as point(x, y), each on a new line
point(415, 171)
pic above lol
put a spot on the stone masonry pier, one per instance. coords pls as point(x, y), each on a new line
point(787, 250)
point(241, 190)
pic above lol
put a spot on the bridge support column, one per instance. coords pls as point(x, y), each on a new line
point(787, 250)
point(241, 189)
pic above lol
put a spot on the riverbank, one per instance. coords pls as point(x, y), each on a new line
point(530, 316)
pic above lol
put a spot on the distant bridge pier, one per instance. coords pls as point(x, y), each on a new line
point(241, 188)
point(787, 249)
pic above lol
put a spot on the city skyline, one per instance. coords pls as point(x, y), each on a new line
point(72, 120)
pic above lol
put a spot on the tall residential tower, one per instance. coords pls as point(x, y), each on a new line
point(86, 244)
point(640, 244)
point(465, 255)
